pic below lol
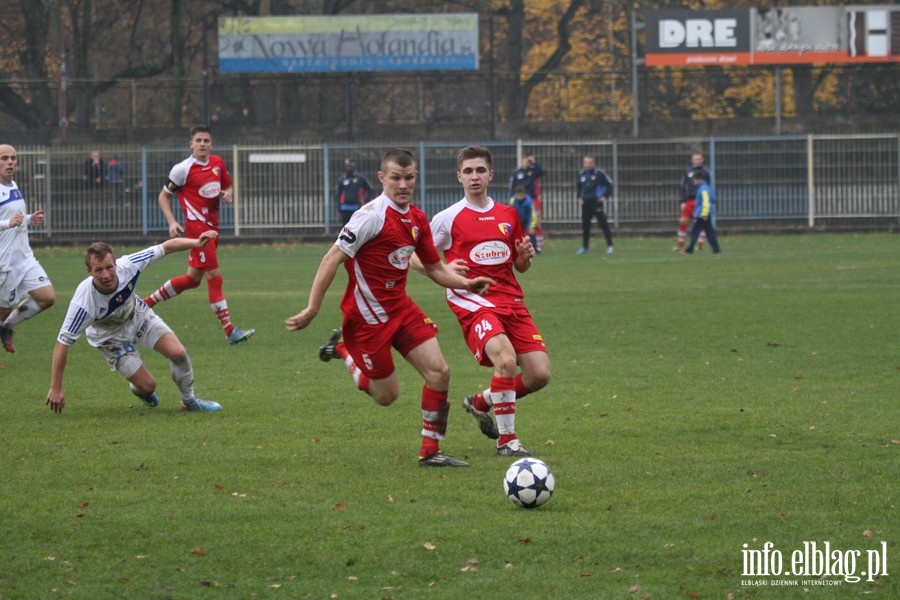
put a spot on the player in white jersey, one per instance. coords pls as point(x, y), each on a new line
point(375, 248)
point(114, 318)
point(25, 289)
point(481, 237)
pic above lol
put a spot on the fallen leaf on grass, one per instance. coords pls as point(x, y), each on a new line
point(198, 551)
point(634, 589)
point(524, 540)
point(867, 533)
point(429, 546)
point(689, 594)
point(340, 506)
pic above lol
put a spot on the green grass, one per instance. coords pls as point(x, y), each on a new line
point(697, 404)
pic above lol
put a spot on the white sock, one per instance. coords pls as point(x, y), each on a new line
point(183, 376)
point(25, 310)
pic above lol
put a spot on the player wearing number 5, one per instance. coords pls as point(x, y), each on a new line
point(106, 308)
point(200, 181)
point(485, 238)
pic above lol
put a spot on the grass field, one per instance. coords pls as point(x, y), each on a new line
point(700, 407)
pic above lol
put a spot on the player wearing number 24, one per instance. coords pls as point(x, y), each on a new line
point(115, 319)
point(375, 248)
point(480, 237)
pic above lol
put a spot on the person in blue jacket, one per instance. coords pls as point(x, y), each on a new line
point(704, 214)
point(352, 191)
point(524, 205)
point(594, 187)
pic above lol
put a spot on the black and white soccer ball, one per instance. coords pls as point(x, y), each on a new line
point(529, 482)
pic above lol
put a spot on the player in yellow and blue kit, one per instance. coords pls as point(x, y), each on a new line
point(704, 214)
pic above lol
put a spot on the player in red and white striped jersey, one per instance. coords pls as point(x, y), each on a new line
point(200, 181)
point(485, 238)
point(375, 248)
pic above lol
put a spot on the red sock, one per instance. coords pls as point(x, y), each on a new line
point(521, 390)
point(435, 410)
point(504, 396)
point(218, 303)
point(172, 288)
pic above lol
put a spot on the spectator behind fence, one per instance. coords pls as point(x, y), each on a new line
point(115, 177)
point(528, 175)
point(352, 191)
point(93, 171)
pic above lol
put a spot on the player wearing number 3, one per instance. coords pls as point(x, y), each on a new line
point(106, 308)
point(200, 181)
point(484, 238)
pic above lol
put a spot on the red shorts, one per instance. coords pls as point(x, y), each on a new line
point(687, 209)
point(513, 321)
point(370, 345)
point(204, 258)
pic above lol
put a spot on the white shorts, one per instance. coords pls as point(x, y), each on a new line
point(124, 357)
point(21, 280)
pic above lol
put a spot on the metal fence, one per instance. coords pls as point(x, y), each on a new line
point(287, 191)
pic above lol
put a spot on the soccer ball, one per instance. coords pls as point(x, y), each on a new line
point(528, 482)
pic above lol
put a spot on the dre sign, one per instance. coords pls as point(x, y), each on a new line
point(698, 33)
point(679, 31)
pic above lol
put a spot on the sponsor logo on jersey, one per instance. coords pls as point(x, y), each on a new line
point(399, 258)
point(212, 189)
point(494, 252)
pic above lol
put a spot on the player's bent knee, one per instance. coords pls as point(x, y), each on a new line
point(385, 397)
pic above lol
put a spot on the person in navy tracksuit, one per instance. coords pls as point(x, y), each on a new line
point(353, 190)
point(594, 187)
point(704, 215)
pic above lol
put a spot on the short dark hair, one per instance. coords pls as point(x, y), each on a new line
point(200, 129)
point(399, 156)
point(98, 250)
point(519, 189)
point(697, 174)
point(474, 152)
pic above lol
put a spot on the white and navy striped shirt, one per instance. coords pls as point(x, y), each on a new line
point(108, 317)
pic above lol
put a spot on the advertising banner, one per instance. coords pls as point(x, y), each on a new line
point(401, 42)
point(774, 36)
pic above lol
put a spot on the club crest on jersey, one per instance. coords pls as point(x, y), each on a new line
point(217, 171)
point(415, 233)
point(494, 252)
point(399, 258)
point(505, 228)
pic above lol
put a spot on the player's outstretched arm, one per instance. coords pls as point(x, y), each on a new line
point(179, 244)
point(458, 265)
point(444, 274)
point(56, 399)
point(332, 260)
